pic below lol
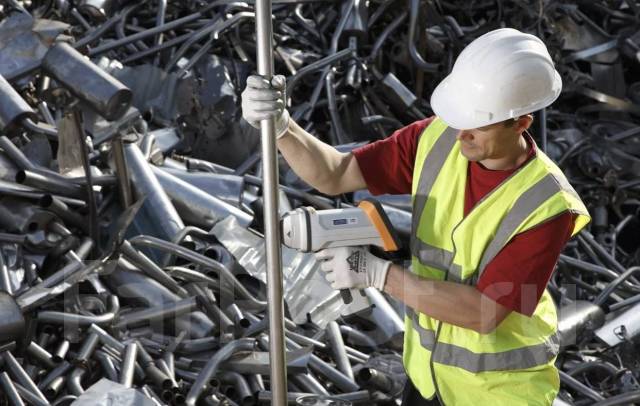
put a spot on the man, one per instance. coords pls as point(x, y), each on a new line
point(491, 214)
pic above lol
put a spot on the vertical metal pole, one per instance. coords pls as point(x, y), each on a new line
point(122, 173)
point(278, 379)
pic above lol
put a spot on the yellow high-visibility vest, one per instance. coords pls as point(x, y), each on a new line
point(514, 364)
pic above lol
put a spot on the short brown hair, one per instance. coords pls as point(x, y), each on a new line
point(510, 122)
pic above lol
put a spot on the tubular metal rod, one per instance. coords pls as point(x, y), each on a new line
point(124, 179)
point(19, 375)
point(339, 352)
point(10, 390)
point(264, 38)
point(128, 365)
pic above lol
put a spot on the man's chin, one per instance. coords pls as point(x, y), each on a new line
point(470, 157)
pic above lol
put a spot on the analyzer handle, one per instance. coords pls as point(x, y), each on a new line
point(346, 296)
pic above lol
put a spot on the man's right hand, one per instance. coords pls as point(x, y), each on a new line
point(262, 100)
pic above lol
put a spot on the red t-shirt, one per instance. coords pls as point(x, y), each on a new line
point(518, 275)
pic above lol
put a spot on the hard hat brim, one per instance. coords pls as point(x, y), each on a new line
point(451, 104)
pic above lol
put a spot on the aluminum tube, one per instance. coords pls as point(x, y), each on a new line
point(264, 38)
point(18, 373)
point(158, 377)
point(168, 373)
point(256, 383)
point(357, 337)
point(5, 279)
point(601, 299)
point(170, 361)
point(74, 382)
point(579, 387)
point(241, 386)
point(211, 309)
point(147, 33)
point(128, 364)
point(152, 270)
point(13, 108)
point(353, 354)
point(224, 273)
point(41, 355)
point(385, 317)
point(305, 341)
point(140, 289)
point(588, 238)
point(105, 94)
point(81, 320)
point(603, 366)
point(235, 314)
point(622, 399)
point(124, 180)
point(43, 108)
point(317, 201)
point(211, 367)
point(86, 350)
point(143, 356)
point(306, 382)
point(342, 382)
point(60, 209)
point(265, 397)
point(30, 397)
point(60, 370)
point(62, 274)
point(575, 318)
point(40, 128)
point(53, 388)
point(61, 351)
point(106, 338)
point(334, 337)
point(372, 378)
point(417, 59)
point(107, 365)
point(157, 314)
point(10, 390)
point(160, 15)
point(228, 188)
point(358, 396)
point(50, 184)
point(152, 395)
point(194, 205)
point(157, 214)
point(14, 153)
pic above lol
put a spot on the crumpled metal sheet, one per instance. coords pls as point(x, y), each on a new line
point(306, 292)
point(109, 393)
point(25, 40)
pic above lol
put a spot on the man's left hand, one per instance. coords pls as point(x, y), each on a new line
point(353, 268)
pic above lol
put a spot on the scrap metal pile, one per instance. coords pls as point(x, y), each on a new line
point(130, 200)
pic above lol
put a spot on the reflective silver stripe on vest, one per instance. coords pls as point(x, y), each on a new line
point(431, 256)
point(433, 163)
point(460, 357)
point(524, 206)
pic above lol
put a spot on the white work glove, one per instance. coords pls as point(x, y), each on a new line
point(353, 268)
point(262, 100)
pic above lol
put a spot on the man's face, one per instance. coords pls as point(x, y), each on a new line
point(491, 142)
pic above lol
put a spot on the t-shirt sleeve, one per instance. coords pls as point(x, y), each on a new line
point(387, 165)
point(518, 275)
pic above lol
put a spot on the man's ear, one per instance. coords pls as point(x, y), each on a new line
point(524, 122)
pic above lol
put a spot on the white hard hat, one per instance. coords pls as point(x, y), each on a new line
point(503, 74)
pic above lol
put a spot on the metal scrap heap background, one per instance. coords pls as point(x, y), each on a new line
point(130, 201)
